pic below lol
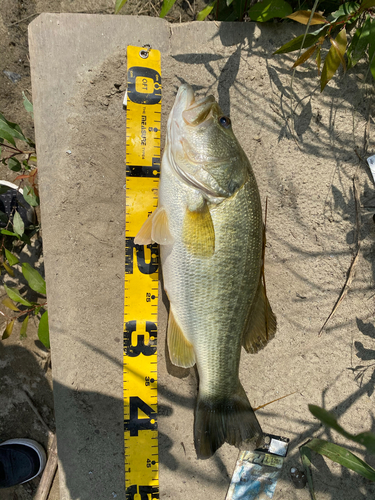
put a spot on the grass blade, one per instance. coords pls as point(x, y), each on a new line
point(342, 456)
point(119, 5)
point(201, 16)
point(166, 7)
point(305, 453)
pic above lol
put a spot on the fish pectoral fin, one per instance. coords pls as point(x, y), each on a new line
point(181, 351)
point(261, 322)
point(155, 229)
point(198, 234)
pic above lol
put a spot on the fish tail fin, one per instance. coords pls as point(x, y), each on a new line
point(230, 420)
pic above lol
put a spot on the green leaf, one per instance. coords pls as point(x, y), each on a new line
point(9, 304)
point(30, 196)
point(367, 4)
point(119, 5)
point(12, 259)
point(296, 43)
point(345, 10)
point(3, 217)
point(9, 233)
point(166, 7)
point(201, 16)
point(25, 238)
point(10, 131)
point(342, 456)
point(358, 45)
point(34, 279)
point(8, 330)
point(268, 9)
point(14, 164)
point(306, 55)
point(303, 16)
point(43, 330)
point(15, 295)
point(18, 224)
point(366, 439)
point(306, 462)
point(28, 105)
point(37, 309)
point(24, 326)
point(8, 269)
point(334, 58)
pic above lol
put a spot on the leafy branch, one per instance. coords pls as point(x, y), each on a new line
point(20, 158)
point(350, 15)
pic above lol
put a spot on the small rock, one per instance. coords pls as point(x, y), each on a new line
point(13, 77)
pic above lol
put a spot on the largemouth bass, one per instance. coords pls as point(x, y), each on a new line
point(210, 230)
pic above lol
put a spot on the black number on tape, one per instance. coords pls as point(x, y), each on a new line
point(144, 492)
point(141, 347)
point(145, 267)
point(144, 85)
point(135, 423)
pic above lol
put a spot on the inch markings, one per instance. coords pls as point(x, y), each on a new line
point(141, 276)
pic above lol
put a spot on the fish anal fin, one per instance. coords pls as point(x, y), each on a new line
point(261, 323)
point(198, 234)
point(181, 351)
point(155, 229)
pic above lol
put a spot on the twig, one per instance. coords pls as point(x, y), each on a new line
point(48, 473)
point(40, 418)
point(353, 264)
point(23, 19)
point(273, 401)
point(51, 466)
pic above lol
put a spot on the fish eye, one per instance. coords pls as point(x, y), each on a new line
point(225, 121)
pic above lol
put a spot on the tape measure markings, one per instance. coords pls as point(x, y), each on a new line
point(141, 276)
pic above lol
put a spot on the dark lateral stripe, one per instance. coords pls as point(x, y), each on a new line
point(139, 171)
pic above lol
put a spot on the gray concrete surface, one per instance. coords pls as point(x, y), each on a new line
point(303, 154)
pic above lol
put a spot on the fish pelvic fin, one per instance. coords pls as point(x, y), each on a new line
point(198, 234)
point(261, 323)
point(229, 420)
point(155, 228)
point(181, 351)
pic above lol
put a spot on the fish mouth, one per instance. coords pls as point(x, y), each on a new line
point(189, 111)
point(193, 111)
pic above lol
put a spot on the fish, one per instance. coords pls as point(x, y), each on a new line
point(210, 229)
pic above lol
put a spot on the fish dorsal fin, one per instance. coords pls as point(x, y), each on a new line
point(155, 228)
point(181, 351)
point(261, 322)
point(198, 234)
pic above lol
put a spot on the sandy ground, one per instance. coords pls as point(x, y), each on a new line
point(335, 129)
point(24, 363)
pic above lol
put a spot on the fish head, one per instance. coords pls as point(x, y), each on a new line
point(202, 147)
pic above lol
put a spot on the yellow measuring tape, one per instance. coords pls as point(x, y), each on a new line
point(141, 275)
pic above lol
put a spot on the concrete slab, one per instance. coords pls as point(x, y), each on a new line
point(302, 148)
